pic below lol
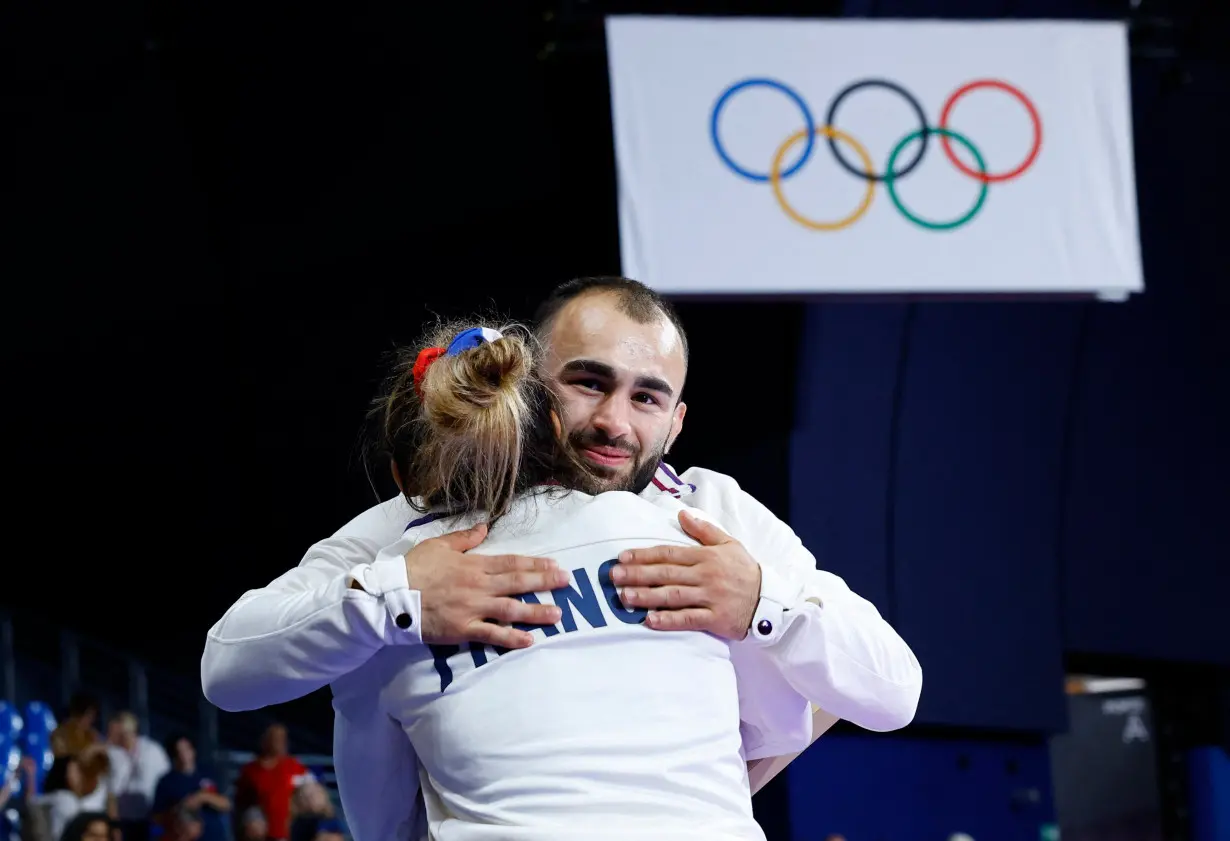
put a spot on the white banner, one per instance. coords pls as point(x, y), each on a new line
point(874, 157)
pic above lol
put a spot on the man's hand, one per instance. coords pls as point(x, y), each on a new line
point(713, 587)
point(469, 598)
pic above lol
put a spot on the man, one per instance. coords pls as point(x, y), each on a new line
point(137, 764)
point(76, 732)
point(187, 786)
point(183, 824)
point(269, 781)
point(252, 826)
point(618, 358)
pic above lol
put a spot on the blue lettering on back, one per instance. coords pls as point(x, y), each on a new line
point(440, 655)
point(584, 601)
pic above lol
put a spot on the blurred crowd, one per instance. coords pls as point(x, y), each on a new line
point(127, 787)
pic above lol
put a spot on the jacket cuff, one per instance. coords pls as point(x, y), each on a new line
point(777, 595)
point(386, 580)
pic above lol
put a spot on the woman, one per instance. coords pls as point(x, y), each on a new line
point(75, 785)
point(87, 826)
point(602, 729)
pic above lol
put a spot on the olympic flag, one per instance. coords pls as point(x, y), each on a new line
point(874, 157)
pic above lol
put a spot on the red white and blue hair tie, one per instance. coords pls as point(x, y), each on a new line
point(472, 338)
point(463, 341)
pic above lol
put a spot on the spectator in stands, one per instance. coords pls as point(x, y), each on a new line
point(269, 781)
point(314, 816)
point(87, 826)
point(66, 791)
point(33, 819)
point(77, 732)
point(137, 764)
point(183, 824)
point(253, 826)
point(189, 786)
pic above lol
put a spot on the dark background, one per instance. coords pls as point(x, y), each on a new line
point(223, 217)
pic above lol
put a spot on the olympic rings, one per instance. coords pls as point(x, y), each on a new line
point(768, 83)
point(891, 174)
point(833, 135)
point(946, 112)
point(895, 88)
point(890, 182)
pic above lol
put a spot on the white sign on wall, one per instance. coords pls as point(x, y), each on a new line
point(874, 157)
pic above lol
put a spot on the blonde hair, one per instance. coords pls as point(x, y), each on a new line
point(478, 431)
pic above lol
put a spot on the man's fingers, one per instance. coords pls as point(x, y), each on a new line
point(684, 555)
point(464, 541)
point(654, 575)
point(489, 634)
point(702, 530)
point(510, 610)
point(517, 583)
point(690, 619)
point(495, 564)
point(672, 597)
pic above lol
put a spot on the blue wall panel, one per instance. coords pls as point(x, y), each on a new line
point(1208, 772)
point(884, 788)
point(839, 452)
point(1147, 559)
point(976, 527)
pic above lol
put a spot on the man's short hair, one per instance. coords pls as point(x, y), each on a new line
point(82, 703)
point(171, 743)
point(636, 300)
point(127, 720)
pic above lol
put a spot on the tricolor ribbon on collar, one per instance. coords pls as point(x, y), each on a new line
point(463, 341)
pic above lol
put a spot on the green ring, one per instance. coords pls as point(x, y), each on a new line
point(890, 180)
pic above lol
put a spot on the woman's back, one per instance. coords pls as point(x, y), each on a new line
point(603, 728)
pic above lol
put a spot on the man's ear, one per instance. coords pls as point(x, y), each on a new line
point(676, 425)
point(396, 475)
point(557, 425)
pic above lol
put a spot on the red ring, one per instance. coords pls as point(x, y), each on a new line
point(989, 178)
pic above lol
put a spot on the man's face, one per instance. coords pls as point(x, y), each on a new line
point(276, 741)
point(255, 829)
point(120, 733)
point(96, 831)
point(185, 754)
point(618, 383)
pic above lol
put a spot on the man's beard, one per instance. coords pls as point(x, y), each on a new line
point(594, 479)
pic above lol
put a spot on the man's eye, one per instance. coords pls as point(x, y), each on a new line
point(589, 385)
point(647, 399)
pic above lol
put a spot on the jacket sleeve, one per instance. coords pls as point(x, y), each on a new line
point(310, 626)
point(811, 630)
point(376, 767)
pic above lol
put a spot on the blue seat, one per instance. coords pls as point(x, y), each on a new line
point(11, 724)
point(9, 760)
point(11, 727)
point(40, 723)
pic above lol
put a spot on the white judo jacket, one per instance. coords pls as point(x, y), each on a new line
point(812, 640)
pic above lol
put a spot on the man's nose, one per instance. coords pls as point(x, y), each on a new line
point(612, 418)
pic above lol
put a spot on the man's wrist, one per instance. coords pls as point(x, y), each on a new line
point(388, 580)
point(777, 594)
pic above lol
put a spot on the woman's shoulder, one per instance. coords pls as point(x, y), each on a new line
point(561, 520)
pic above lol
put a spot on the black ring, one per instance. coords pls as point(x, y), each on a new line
point(925, 132)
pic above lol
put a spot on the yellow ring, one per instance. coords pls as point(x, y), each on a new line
point(775, 178)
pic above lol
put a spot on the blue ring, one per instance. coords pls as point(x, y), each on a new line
point(768, 83)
